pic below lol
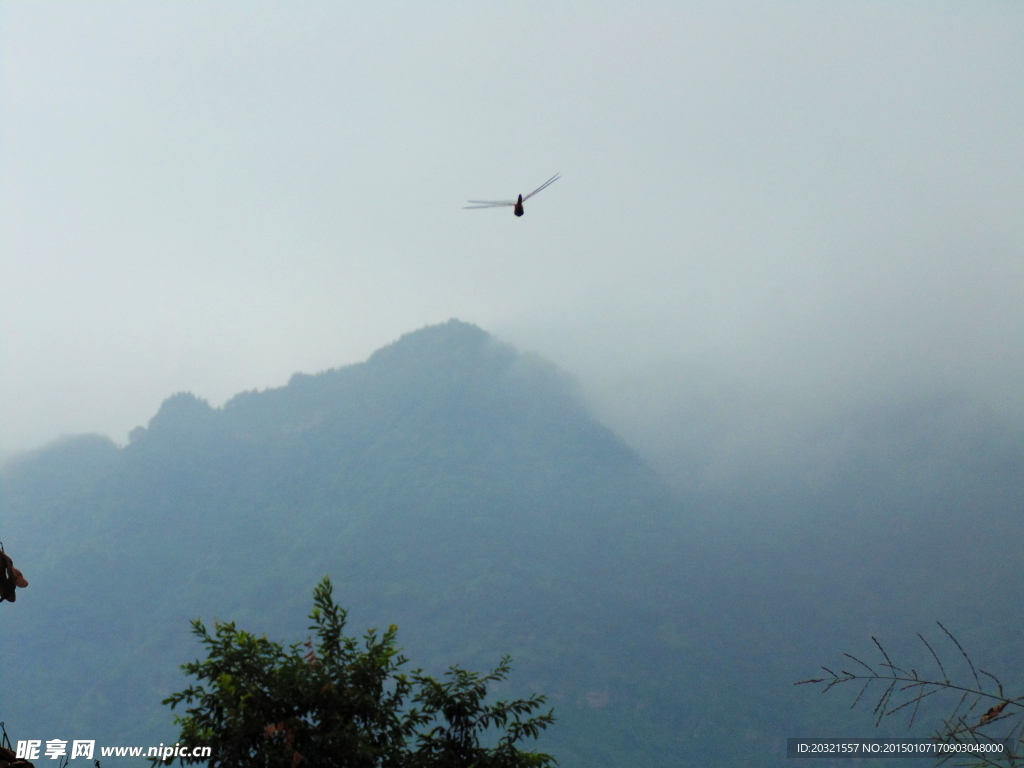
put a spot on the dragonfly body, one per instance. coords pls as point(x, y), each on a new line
point(516, 205)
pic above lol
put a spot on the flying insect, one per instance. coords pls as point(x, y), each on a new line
point(517, 205)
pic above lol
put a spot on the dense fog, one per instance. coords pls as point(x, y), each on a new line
point(771, 216)
point(739, 392)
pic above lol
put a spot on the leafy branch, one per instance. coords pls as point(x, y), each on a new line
point(336, 702)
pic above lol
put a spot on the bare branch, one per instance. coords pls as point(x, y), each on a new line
point(935, 656)
point(969, 662)
point(907, 689)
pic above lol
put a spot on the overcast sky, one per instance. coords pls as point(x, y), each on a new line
point(777, 207)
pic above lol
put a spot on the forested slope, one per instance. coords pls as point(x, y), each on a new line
point(459, 489)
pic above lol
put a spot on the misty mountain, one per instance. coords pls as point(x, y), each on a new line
point(460, 489)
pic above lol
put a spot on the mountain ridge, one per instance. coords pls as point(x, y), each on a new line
point(461, 490)
point(448, 483)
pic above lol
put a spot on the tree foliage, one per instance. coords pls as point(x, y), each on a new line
point(334, 702)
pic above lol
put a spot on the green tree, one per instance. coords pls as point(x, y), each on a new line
point(334, 702)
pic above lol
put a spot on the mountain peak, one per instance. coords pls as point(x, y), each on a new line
point(446, 343)
point(453, 333)
point(448, 393)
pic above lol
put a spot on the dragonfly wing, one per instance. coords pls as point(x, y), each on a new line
point(552, 180)
point(489, 203)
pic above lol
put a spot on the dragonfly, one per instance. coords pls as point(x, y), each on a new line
point(517, 205)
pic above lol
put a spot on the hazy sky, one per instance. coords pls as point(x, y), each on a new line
point(767, 209)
